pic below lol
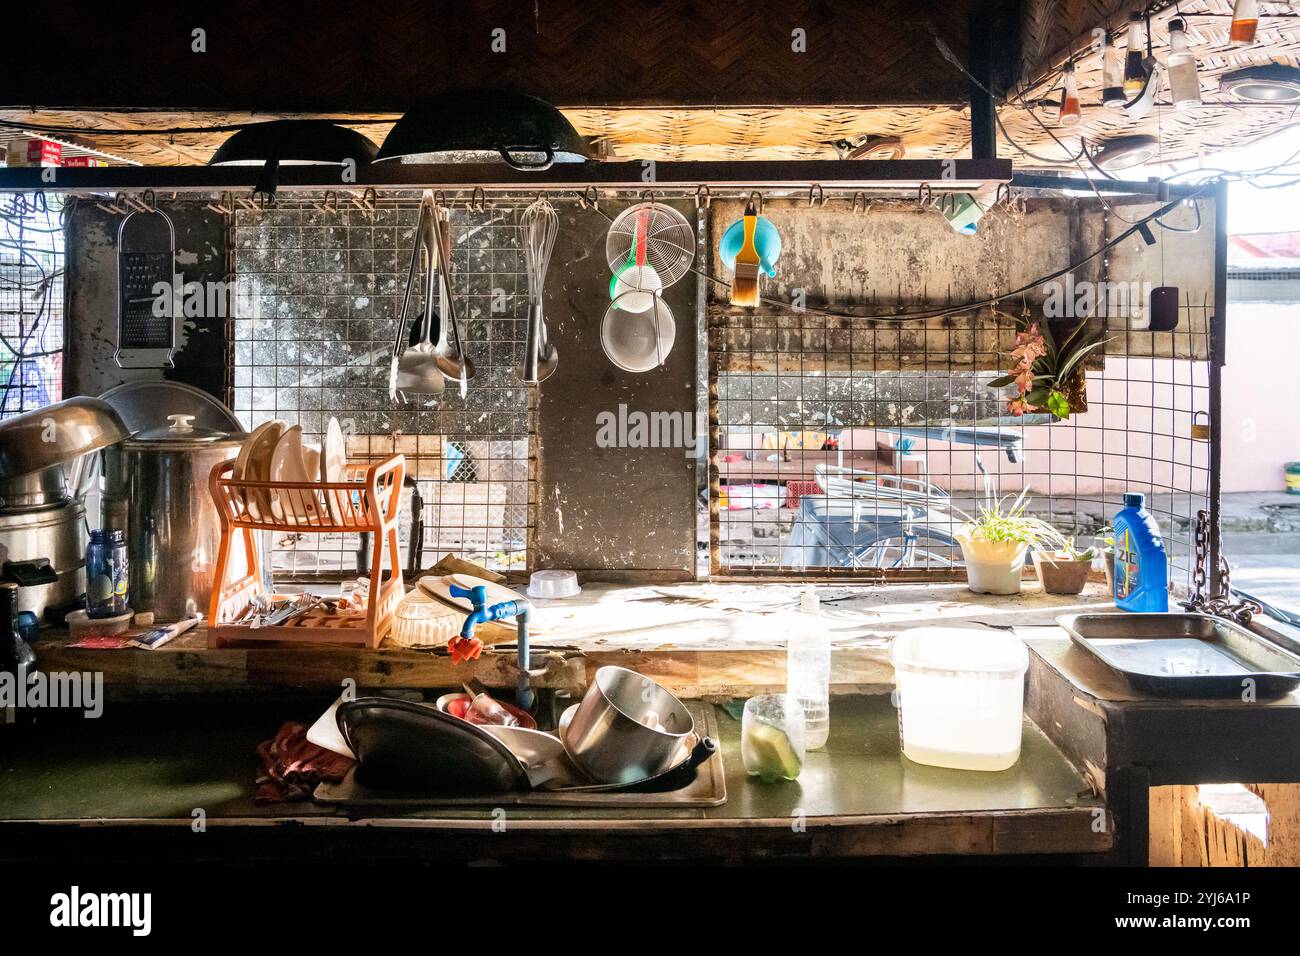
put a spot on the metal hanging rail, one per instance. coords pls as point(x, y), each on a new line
point(941, 174)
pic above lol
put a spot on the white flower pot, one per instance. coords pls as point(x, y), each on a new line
point(993, 567)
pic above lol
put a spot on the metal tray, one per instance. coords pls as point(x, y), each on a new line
point(707, 789)
point(1185, 655)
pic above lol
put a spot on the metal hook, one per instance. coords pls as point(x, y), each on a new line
point(329, 205)
point(925, 195)
point(125, 202)
point(477, 200)
point(703, 197)
point(815, 193)
point(439, 201)
point(751, 204)
point(367, 200)
point(866, 204)
point(224, 206)
point(149, 201)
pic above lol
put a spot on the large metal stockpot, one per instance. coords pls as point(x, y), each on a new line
point(156, 490)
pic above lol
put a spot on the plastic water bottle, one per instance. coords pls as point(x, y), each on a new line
point(808, 668)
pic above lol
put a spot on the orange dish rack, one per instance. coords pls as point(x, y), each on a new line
point(367, 500)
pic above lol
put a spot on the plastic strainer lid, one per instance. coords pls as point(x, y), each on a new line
point(964, 650)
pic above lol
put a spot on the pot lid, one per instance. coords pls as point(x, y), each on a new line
point(142, 405)
point(57, 433)
point(181, 429)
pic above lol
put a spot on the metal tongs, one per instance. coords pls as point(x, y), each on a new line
point(421, 368)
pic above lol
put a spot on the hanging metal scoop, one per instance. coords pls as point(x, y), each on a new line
point(449, 353)
point(415, 370)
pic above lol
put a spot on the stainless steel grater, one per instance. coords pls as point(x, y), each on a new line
point(146, 339)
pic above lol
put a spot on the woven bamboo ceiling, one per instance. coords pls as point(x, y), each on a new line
point(926, 92)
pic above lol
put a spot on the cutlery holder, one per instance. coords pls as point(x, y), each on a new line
point(367, 500)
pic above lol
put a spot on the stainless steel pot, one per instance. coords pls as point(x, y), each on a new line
point(156, 490)
point(48, 460)
point(43, 551)
point(627, 728)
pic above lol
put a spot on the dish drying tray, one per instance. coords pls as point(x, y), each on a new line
point(1185, 655)
point(707, 789)
point(367, 500)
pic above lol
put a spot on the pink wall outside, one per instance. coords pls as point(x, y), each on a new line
point(1261, 395)
point(1134, 398)
point(1130, 439)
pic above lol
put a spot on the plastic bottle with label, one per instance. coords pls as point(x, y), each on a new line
point(1141, 564)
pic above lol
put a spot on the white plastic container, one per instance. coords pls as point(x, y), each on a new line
point(960, 696)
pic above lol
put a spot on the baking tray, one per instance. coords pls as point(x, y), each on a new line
point(707, 789)
point(1185, 655)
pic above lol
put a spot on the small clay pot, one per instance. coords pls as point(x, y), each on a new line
point(1061, 575)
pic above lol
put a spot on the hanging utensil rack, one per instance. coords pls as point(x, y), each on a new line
point(366, 501)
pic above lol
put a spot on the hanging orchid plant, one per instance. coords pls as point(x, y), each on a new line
point(1042, 368)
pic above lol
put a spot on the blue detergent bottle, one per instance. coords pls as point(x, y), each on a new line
point(1141, 564)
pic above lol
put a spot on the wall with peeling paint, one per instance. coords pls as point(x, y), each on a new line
point(90, 301)
point(610, 510)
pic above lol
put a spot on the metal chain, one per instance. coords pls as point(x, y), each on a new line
point(1221, 604)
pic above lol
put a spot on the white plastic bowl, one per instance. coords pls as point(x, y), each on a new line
point(545, 585)
point(960, 696)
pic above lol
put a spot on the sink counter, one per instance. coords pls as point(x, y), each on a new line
point(699, 640)
point(142, 773)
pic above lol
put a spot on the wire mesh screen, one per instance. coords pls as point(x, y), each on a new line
point(319, 292)
point(848, 445)
point(31, 303)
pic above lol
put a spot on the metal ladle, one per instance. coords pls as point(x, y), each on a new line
point(448, 352)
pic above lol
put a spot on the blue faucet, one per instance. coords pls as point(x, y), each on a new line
point(482, 614)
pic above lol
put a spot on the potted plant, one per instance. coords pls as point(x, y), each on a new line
point(994, 544)
point(1106, 545)
point(1047, 369)
point(1063, 570)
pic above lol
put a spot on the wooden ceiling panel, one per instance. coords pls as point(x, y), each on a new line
point(343, 56)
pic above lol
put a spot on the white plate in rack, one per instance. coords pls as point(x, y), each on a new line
point(333, 465)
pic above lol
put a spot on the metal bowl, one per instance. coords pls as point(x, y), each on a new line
point(626, 728)
point(58, 433)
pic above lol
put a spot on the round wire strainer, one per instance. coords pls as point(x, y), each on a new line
point(651, 234)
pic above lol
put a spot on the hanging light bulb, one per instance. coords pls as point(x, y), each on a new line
point(1112, 85)
point(1245, 18)
point(1070, 110)
point(1184, 84)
